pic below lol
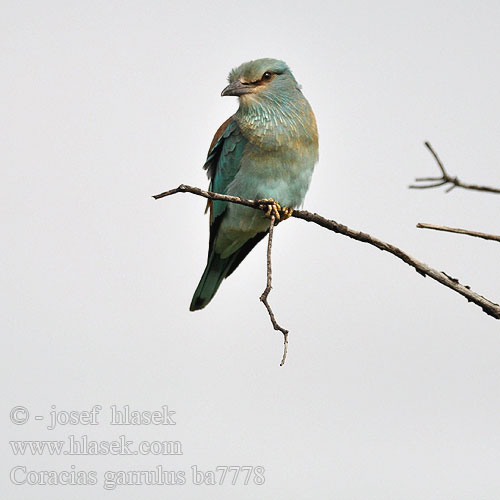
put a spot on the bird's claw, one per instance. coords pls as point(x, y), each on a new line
point(286, 213)
point(272, 207)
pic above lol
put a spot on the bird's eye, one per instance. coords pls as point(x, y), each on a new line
point(267, 75)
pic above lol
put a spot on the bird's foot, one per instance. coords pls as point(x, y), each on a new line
point(272, 207)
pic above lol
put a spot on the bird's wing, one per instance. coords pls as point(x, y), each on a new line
point(223, 162)
point(222, 165)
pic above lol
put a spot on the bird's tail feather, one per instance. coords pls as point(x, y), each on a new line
point(215, 272)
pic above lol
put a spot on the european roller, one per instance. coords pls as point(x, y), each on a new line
point(265, 151)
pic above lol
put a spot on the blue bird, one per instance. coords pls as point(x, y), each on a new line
point(266, 150)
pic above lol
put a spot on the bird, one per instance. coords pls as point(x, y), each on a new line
point(266, 151)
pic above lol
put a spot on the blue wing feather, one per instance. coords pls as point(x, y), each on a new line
point(223, 162)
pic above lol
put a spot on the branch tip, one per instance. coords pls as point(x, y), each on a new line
point(267, 291)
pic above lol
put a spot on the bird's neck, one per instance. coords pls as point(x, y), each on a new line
point(276, 120)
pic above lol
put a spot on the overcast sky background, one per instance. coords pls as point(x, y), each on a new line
point(392, 384)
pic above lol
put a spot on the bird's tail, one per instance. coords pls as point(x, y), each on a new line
point(216, 270)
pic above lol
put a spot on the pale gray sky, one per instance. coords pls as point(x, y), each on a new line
point(392, 384)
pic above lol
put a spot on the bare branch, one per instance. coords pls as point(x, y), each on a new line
point(489, 307)
point(447, 179)
point(427, 186)
point(477, 234)
point(183, 188)
point(436, 157)
point(267, 291)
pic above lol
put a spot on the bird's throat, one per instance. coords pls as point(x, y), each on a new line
point(275, 121)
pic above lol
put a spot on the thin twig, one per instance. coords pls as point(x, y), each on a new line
point(265, 293)
point(489, 307)
point(477, 234)
point(436, 157)
point(447, 179)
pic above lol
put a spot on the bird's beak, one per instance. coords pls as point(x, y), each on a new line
point(237, 88)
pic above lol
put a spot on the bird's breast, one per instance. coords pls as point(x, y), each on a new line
point(283, 174)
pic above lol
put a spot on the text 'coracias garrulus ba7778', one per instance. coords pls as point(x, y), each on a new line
point(266, 150)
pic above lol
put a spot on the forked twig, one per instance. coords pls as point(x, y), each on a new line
point(267, 291)
point(447, 179)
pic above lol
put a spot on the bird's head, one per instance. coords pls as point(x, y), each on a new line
point(259, 79)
